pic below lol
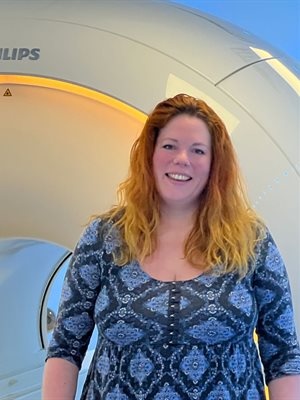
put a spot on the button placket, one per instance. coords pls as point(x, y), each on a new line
point(174, 308)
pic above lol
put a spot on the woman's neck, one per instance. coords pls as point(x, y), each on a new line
point(176, 220)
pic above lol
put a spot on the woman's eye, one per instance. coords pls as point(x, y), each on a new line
point(168, 146)
point(199, 151)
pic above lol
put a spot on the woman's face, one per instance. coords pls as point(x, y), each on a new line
point(181, 161)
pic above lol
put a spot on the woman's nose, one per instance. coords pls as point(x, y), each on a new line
point(181, 158)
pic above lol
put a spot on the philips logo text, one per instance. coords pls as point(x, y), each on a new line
point(19, 54)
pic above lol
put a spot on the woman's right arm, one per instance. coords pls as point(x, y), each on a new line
point(60, 380)
point(75, 322)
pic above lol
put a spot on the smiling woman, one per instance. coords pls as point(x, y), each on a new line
point(177, 277)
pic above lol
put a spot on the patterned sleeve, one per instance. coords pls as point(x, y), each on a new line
point(277, 339)
point(75, 322)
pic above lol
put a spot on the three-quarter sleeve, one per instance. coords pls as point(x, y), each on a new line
point(277, 339)
point(81, 286)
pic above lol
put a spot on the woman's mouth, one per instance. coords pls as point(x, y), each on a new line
point(178, 177)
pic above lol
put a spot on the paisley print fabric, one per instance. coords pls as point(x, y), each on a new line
point(174, 340)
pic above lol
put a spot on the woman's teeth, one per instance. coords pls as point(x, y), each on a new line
point(179, 177)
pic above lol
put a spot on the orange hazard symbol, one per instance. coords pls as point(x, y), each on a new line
point(7, 93)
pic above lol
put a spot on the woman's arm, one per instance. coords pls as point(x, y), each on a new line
point(287, 387)
point(60, 380)
point(75, 321)
point(277, 339)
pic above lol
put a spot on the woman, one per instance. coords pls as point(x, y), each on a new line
point(176, 278)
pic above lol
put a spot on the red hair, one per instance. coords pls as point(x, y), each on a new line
point(226, 227)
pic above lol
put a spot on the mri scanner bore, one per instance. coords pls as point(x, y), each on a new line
point(67, 129)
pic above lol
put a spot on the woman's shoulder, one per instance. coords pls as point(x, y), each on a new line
point(102, 229)
point(264, 239)
point(267, 254)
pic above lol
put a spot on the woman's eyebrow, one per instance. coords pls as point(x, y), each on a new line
point(199, 144)
point(176, 141)
point(169, 138)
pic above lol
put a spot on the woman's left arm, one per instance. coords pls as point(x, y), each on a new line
point(277, 339)
point(285, 388)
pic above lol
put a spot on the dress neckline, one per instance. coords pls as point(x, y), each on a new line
point(171, 281)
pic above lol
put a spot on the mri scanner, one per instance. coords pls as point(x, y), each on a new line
point(77, 79)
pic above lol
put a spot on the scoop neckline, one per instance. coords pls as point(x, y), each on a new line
point(169, 282)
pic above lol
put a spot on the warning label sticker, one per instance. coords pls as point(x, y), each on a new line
point(7, 93)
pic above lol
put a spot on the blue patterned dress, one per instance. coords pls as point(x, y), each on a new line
point(180, 340)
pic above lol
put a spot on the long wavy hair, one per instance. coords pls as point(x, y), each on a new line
point(226, 228)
